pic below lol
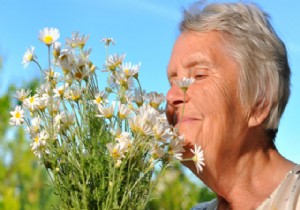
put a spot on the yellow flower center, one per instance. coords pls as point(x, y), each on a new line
point(30, 57)
point(60, 92)
point(36, 139)
point(78, 75)
point(18, 115)
point(75, 97)
point(115, 153)
point(108, 116)
point(154, 105)
point(126, 72)
point(98, 100)
point(122, 116)
point(48, 39)
point(31, 100)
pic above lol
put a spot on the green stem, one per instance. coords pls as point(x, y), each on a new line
point(41, 70)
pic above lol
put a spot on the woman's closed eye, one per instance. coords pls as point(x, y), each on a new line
point(200, 76)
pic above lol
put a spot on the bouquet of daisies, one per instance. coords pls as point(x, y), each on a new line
point(99, 146)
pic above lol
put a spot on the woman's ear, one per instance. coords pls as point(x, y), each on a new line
point(259, 113)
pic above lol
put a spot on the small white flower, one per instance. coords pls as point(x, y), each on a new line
point(28, 57)
point(44, 89)
point(60, 91)
point(113, 62)
point(66, 61)
point(106, 111)
point(35, 125)
point(49, 35)
point(107, 41)
point(56, 49)
point(39, 142)
point(141, 126)
point(157, 151)
point(184, 83)
point(176, 146)
point(63, 120)
point(54, 107)
point(155, 99)
point(17, 116)
point(100, 98)
point(198, 158)
point(138, 97)
point(31, 103)
point(77, 40)
point(43, 102)
point(123, 111)
point(52, 76)
point(22, 94)
point(115, 150)
point(125, 141)
point(130, 70)
point(74, 94)
point(162, 131)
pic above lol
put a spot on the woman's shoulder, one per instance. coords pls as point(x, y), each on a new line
point(209, 205)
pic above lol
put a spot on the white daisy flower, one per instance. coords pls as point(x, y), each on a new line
point(106, 111)
point(56, 49)
point(66, 61)
point(22, 94)
point(35, 125)
point(52, 76)
point(113, 62)
point(115, 150)
point(54, 107)
point(141, 126)
point(176, 147)
point(184, 83)
point(107, 41)
point(28, 57)
point(162, 132)
point(43, 102)
point(63, 120)
point(130, 70)
point(31, 103)
point(39, 142)
point(61, 90)
point(138, 97)
point(155, 99)
point(17, 116)
point(198, 158)
point(124, 139)
point(74, 94)
point(44, 89)
point(123, 111)
point(49, 35)
point(100, 97)
point(76, 41)
point(157, 151)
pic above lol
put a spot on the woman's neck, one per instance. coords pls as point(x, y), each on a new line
point(245, 182)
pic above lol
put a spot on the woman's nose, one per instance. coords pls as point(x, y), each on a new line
point(176, 96)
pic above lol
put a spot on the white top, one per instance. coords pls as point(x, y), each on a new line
point(285, 197)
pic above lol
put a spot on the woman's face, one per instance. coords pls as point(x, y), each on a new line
point(213, 116)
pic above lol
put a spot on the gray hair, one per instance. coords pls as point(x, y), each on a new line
point(255, 46)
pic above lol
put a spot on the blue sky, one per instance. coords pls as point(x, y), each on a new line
point(143, 29)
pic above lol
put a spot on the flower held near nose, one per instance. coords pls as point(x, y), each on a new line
point(184, 83)
point(198, 158)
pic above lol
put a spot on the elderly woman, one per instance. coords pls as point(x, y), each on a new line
point(232, 109)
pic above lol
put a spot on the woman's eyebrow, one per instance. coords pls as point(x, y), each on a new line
point(197, 58)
